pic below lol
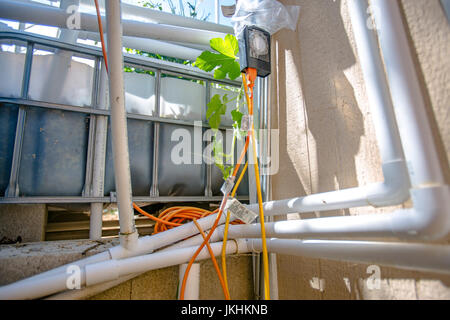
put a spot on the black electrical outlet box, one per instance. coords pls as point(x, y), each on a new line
point(254, 50)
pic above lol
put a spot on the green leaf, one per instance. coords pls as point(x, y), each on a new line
point(214, 121)
point(234, 70)
point(207, 61)
point(224, 61)
point(227, 172)
point(237, 117)
point(228, 46)
point(215, 111)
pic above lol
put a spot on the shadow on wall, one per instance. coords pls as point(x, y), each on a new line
point(321, 127)
point(318, 53)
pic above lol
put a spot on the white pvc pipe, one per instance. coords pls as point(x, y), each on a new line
point(93, 290)
point(156, 16)
point(149, 45)
point(87, 292)
point(395, 188)
point(94, 274)
point(45, 15)
point(68, 35)
point(428, 220)
point(119, 133)
point(145, 245)
point(409, 256)
point(431, 196)
point(198, 239)
point(406, 92)
point(192, 289)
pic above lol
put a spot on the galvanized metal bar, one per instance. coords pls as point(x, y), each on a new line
point(154, 189)
point(89, 157)
point(13, 187)
point(98, 173)
point(96, 83)
point(208, 167)
point(54, 106)
point(60, 200)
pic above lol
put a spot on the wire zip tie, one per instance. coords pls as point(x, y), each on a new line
point(228, 185)
point(246, 122)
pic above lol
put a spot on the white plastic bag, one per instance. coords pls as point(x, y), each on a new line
point(270, 15)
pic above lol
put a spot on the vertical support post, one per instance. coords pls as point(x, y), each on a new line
point(87, 189)
point(13, 187)
point(217, 11)
point(98, 172)
point(273, 268)
point(208, 166)
point(154, 190)
point(128, 233)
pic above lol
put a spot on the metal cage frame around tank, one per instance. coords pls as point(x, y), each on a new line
point(159, 67)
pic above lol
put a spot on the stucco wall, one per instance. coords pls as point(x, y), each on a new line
point(327, 140)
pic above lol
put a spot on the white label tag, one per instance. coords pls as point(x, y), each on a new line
point(240, 211)
point(227, 185)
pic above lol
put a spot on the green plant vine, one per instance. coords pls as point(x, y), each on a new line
point(223, 61)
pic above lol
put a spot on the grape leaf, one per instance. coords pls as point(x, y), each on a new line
point(224, 61)
point(237, 117)
point(228, 46)
point(215, 111)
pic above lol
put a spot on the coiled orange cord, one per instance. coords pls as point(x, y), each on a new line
point(176, 216)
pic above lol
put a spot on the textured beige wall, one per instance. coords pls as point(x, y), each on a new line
point(327, 140)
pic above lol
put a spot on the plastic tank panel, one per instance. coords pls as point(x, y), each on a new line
point(54, 153)
point(185, 179)
point(8, 122)
point(140, 144)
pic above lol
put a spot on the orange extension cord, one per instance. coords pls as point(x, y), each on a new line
point(100, 29)
point(176, 216)
point(219, 215)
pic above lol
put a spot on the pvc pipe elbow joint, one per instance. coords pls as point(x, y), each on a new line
point(395, 188)
point(429, 219)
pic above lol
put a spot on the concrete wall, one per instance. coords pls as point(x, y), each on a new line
point(327, 140)
point(23, 221)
